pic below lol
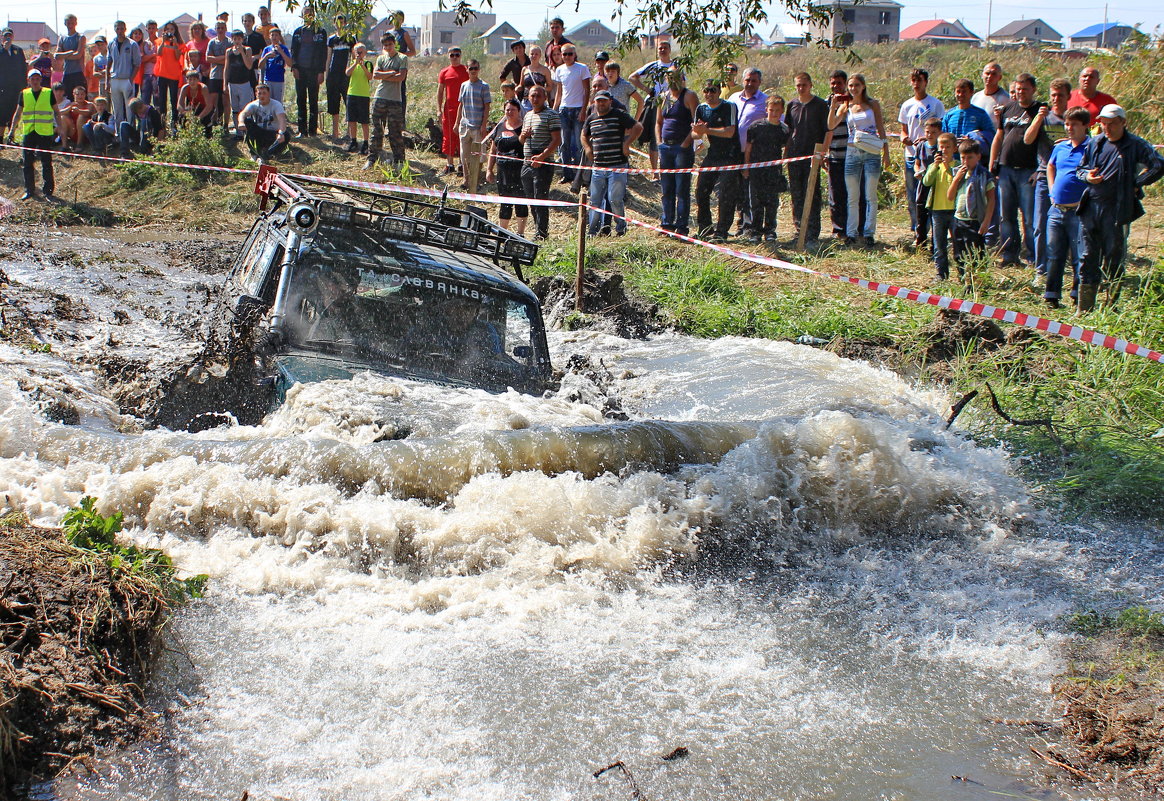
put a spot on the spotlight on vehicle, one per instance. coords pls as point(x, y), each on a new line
point(302, 218)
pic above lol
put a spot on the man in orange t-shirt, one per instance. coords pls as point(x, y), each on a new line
point(448, 101)
point(1088, 95)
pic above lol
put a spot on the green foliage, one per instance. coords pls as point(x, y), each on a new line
point(189, 146)
point(1135, 621)
point(88, 530)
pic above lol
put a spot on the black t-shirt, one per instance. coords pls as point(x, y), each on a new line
point(607, 133)
point(255, 41)
point(807, 125)
point(767, 140)
point(721, 148)
point(512, 70)
point(508, 144)
point(341, 50)
point(1015, 120)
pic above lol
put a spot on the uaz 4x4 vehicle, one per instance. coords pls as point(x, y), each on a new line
point(340, 281)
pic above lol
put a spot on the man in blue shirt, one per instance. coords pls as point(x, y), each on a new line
point(966, 118)
point(1063, 230)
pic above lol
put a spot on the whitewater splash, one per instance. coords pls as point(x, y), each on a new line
point(781, 560)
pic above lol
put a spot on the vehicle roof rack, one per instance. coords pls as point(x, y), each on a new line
point(401, 217)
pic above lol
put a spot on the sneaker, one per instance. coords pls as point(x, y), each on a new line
point(770, 237)
point(1039, 282)
point(352, 146)
point(28, 196)
point(1052, 303)
point(364, 148)
point(370, 163)
point(754, 238)
point(449, 168)
point(716, 239)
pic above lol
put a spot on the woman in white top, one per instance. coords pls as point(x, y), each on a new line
point(867, 150)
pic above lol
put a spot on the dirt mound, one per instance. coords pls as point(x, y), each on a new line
point(953, 334)
point(78, 639)
point(605, 301)
point(1113, 715)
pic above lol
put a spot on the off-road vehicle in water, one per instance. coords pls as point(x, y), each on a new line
point(334, 281)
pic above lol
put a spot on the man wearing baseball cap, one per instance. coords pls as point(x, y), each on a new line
point(13, 71)
point(35, 110)
point(607, 135)
point(1116, 166)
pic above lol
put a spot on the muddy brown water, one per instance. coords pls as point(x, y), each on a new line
point(819, 592)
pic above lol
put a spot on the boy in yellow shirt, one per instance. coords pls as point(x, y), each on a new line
point(937, 179)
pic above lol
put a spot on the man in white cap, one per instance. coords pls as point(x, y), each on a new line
point(35, 109)
point(1116, 166)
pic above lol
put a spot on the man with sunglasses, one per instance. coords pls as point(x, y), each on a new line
point(716, 122)
point(730, 82)
point(573, 96)
point(448, 103)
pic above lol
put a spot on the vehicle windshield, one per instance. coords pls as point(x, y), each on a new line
point(386, 318)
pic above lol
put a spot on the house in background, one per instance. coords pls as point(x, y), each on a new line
point(498, 38)
point(374, 30)
point(591, 33)
point(1113, 34)
point(940, 31)
point(865, 21)
point(439, 30)
point(788, 34)
point(651, 39)
point(1026, 31)
point(27, 34)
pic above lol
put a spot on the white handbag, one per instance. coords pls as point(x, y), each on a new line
point(866, 142)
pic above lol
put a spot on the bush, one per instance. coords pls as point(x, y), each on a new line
point(188, 146)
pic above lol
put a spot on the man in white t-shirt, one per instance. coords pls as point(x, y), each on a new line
point(573, 98)
point(913, 115)
point(655, 73)
point(265, 121)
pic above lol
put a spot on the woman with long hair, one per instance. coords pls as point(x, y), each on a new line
point(168, 69)
point(673, 131)
point(867, 151)
point(505, 140)
point(198, 41)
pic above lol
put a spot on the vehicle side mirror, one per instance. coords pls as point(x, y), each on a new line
point(523, 352)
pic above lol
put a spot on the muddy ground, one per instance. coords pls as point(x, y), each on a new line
point(78, 642)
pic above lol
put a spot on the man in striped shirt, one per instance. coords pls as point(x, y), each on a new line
point(473, 123)
point(607, 135)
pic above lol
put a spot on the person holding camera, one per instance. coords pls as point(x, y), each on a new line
point(168, 69)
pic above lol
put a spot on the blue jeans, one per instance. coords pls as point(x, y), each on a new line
point(1018, 194)
point(134, 139)
point(1064, 235)
point(99, 136)
point(861, 166)
point(941, 229)
point(571, 139)
point(1042, 210)
point(676, 186)
point(911, 195)
point(611, 187)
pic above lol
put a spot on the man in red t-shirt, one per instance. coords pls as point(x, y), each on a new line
point(1088, 95)
point(448, 101)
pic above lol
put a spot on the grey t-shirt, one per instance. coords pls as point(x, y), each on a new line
point(266, 117)
point(217, 48)
point(388, 90)
point(69, 44)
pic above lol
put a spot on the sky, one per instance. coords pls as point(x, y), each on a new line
point(1065, 16)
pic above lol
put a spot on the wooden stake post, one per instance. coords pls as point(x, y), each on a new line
point(583, 200)
point(813, 180)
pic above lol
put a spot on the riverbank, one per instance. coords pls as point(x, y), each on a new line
point(80, 635)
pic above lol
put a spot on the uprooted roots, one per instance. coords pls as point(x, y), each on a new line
point(78, 641)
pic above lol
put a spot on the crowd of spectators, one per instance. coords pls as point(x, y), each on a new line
point(1051, 184)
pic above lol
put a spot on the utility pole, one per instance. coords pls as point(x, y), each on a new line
point(1103, 32)
point(989, 16)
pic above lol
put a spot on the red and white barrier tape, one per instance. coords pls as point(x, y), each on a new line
point(95, 157)
point(1079, 333)
point(1076, 332)
point(647, 171)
